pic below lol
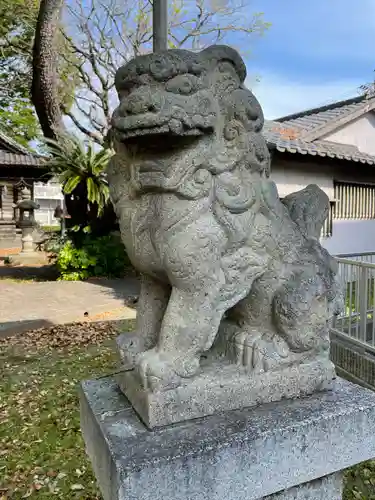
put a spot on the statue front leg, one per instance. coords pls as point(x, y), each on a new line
point(189, 328)
point(193, 262)
point(152, 303)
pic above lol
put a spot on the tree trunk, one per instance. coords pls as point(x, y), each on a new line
point(44, 89)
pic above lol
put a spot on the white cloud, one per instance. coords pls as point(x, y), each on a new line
point(279, 96)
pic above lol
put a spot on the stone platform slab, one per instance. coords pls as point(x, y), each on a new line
point(327, 488)
point(224, 387)
point(292, 449)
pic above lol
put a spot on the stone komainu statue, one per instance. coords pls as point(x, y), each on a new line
point(229, 271)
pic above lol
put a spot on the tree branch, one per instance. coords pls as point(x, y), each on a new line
point(104, 34)
point(89, 133)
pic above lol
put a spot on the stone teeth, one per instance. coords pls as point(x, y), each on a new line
point(198, 120)
point(145, 131)
point(176, 126)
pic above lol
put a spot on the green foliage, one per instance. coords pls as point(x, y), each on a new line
point(17, 25)
point(95, 257)
point(77, 166)
point(18, 121)
point(39, 399)
point(359, 482)
point(17, 30)
point(352, 313)
point(51, 229)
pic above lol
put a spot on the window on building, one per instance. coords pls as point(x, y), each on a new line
point(328, 223)
point(354, 201)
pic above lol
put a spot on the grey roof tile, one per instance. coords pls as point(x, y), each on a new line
point(22, 160)
point(285, 134)
point(11, 145)
point(316, 117)
point(13, 154)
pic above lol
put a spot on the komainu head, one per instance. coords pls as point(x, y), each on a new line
point(181, 111)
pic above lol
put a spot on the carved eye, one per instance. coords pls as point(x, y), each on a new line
point(161, 68)
point(183, 84)
point(232, 130)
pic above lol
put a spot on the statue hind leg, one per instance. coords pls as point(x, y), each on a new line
point(253, 335)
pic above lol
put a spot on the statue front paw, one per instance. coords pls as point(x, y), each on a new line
point(130, 347)
point(161, 370)
point(259, 352)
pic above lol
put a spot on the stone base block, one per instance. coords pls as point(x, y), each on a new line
point(223, 387)
point(292, 449)
point(326, 488)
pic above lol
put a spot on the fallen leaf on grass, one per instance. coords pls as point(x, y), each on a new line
point(43, 390)
point(76, 487)
point(62, 336)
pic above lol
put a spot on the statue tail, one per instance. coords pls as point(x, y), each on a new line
point(309, 209)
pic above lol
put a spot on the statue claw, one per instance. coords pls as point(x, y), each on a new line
point(258, 352)
point(161, 371)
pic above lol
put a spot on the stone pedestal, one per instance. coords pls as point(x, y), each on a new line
point(28, 256)
point(285, 450)
point(27, 240)
point(223, 387)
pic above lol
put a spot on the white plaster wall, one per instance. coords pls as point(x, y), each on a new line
point(351, 236)
point(290, 178)
point(48, 195)
point(49, 191)
point(359, 133)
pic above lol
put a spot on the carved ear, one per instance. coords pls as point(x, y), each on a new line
point(242, 105)
point(223, 53)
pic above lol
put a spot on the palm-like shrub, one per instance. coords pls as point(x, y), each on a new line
point(81, 172)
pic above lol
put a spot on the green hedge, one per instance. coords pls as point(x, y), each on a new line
point(51, 229)
point(94, 257)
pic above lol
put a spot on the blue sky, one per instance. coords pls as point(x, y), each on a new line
point(315, 52)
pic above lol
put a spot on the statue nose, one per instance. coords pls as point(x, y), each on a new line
point(139, 103)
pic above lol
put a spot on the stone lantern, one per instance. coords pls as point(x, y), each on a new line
point(26, 221)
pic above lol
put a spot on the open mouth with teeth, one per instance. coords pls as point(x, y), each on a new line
point(164, 138)
point(154, 143)
point(162, 150)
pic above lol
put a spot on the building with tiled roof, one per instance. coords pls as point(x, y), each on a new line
point(17, 164)
point(312, 132)
point(13, 154)
point(332, 146)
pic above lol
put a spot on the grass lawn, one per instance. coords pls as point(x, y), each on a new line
point(41, 448)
